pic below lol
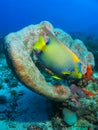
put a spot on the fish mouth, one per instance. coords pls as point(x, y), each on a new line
point(18, 48)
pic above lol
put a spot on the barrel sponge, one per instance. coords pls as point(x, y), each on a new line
point(18, 48)
point(29, 35)
point(89, 59)
point(77, 46)
point(47, 24)
point(63, 36)
point(81, 50)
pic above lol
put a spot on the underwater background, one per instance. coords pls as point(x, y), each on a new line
point(69, 15)
point(23, 109)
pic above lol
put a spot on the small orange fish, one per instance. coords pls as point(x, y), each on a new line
point(88, 92)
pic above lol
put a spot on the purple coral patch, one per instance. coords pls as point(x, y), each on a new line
point(74, 89)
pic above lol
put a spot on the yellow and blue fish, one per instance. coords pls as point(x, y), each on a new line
point(58, 57)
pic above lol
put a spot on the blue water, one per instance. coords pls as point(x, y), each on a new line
point(70, 15)
point(73, 16)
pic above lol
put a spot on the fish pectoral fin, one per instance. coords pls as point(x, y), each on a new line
point(39, 44)
point(56, 77)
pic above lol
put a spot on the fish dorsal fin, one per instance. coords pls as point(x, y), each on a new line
point(75, 57)
point(40, 44)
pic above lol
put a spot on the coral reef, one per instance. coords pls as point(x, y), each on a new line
point(69, 117)
point(90, 41)
point(78, 98)
point(77, 46)
point(19, 48)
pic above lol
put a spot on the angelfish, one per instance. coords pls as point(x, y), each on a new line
point(57, 57)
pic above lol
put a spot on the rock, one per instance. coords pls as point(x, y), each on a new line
point(3, 99)
point(1, 83)
point(36, 127)
point(1, 45)
point(13, 83)
point(69, 117)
